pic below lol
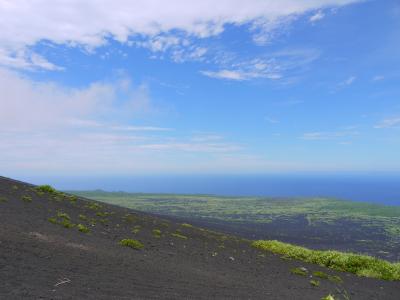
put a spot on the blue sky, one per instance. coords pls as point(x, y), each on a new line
point(150, 87)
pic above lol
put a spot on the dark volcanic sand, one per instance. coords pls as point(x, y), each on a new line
point(36, 255)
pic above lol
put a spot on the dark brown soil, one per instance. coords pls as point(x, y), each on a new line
point(42, 260)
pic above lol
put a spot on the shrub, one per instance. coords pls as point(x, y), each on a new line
point(178, 235)
point(46, 189)
point(83, 228)
point(132, 244)
point(26, 199)
point(362, 265)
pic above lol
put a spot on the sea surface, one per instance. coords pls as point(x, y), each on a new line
point(382, 189)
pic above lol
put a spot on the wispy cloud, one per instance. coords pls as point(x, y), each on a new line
point(271, 120)
point(273, 66)
point(319, 15)
point(378, 78)
point(323, 135)
point(348, 81)
point(389, 123)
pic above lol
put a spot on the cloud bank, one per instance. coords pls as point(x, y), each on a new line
point(156, 24)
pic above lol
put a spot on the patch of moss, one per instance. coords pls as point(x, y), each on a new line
point(135, 244)
point(361, 265)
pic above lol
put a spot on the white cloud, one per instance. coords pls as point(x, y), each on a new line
point(272, 66)
point(388, 123)
point(319, 15)
point(319, 135)
point(30, 105)
point(349, 81)
point(378, 78)
point(91, 23)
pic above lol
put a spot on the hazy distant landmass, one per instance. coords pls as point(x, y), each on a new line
point(383, 189)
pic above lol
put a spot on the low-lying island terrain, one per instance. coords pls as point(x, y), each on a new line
point(59, 246)
point(312, 222)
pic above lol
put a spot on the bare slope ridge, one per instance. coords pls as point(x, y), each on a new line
point(57, 246)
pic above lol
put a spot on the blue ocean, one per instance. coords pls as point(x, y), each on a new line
point(381, 189)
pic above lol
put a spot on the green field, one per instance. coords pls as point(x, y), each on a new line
point(318, 222)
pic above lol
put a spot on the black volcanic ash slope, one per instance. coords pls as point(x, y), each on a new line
point(57, 246)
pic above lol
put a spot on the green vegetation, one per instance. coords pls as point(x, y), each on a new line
point(157, 233)
point(3, 199)
point(83, 217)
point(329, 297)
point(298, 271)
point(132, 244)
point(136, 229)
point(64, 216)
point(27, 199)
point(46, 189)
point(52, 220)
point(94, 206)
point(333, 278)
point(186, 225)
point(314, 283)
point(83, 228)
point(178, 235)
point(361, 265)
point(361, 218)
point(129, 218)
point(14, 187)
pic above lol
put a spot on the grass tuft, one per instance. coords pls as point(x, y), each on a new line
point(314, 283)
point(157, 233)
point(362, 265)
point(83, 228)
point(178, 235)
point(135, 244)
point(298, 271)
